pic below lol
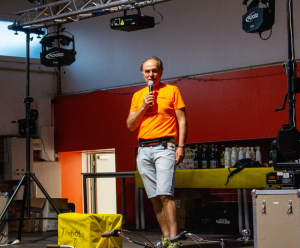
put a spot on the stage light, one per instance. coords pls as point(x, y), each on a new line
point(64, 42)
point(258, 20)
point(57, 56)
point(132, 22)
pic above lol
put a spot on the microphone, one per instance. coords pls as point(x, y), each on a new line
point(150, 84)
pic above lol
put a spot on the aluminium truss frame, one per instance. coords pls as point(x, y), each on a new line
point(65, 11)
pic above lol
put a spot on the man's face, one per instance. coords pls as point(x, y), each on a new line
point(152, 72)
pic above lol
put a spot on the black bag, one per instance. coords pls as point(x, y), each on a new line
point(240, 165)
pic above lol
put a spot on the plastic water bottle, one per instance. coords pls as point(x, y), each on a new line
point(258, 154)
point(234, 157)
point(247, 154)
point(227, 158)
point(241, 153)
point(252, 154)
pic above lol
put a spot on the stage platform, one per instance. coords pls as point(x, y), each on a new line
point(42, 239)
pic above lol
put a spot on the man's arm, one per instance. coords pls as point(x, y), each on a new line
point(135, 117)
point(182, 122)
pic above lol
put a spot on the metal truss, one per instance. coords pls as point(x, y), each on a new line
point(65, 11)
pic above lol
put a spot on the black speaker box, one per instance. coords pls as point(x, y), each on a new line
point(226, 219)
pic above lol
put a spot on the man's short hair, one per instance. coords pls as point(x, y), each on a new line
point(160, 63)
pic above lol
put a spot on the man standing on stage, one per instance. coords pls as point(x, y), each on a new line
point(156, 114)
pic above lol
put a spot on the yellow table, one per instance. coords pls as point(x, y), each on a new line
point(248, 178)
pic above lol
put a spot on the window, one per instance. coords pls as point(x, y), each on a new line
point(15, 45)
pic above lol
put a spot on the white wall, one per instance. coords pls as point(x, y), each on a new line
point(196, 36)
point(13, 90)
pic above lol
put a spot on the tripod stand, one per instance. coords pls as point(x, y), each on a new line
point(25, 180)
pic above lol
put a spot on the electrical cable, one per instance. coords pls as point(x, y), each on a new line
point(139, 235)
point(159, 14)
point(291, 30)
point(266, 38)
point(195, 241)
point(293, 57)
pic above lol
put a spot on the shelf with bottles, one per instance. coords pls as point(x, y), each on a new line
point(214, 156)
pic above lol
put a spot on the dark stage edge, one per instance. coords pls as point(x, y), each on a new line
point(42, 239)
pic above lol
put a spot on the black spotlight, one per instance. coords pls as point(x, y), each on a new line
point(258, 20)
point(57, 56)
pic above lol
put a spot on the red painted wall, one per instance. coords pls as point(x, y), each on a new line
point(226, 106)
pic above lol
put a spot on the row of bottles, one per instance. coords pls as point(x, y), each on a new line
point(204, 159)
point(232, 155)
point(211, 158)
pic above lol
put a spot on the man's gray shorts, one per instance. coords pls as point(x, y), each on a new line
point(156, 166)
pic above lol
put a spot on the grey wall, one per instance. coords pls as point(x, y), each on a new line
point(13, 90)
point(9, 8)
point(13, 78)
point(196, 36)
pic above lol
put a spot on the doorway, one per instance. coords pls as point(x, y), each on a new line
point(102, 194)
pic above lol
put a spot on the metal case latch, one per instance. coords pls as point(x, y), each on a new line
point(290, 211)
point(263, 210)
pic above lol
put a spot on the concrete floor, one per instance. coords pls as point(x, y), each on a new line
point(42, 239)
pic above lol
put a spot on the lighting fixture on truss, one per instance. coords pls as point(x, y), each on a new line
point(258, 20)
point(64, 11)
point(52, 55)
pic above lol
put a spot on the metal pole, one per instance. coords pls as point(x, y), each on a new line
point(124, 200)
point(84, 195)
point(45, 193)
point(240, 210)
point(13, 196)
point(142, 209)
point(290, 63)
point(137, 207)
point(246, 211)
point(22, 213)
point(27, 106)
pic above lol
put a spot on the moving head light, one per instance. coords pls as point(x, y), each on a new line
point(56, 56)
point(258, 20)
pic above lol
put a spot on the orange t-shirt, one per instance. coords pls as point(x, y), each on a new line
point(160, 119)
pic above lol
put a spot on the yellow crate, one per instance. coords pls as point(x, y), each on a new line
point(84, 230)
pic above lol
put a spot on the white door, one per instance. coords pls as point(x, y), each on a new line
point(106, 187)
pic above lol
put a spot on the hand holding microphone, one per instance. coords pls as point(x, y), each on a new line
point(150, 84)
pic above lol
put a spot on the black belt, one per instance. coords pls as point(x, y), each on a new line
point(155, 142)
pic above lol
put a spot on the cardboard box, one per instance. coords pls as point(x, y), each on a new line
point(40, 208)
point(49, 212)
point(185, 207)
point(184, 220)
point(31, 225)
point(184, 198)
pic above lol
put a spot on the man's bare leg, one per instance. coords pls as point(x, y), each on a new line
point(165, 211)
point(169, 208)
point(160, 216)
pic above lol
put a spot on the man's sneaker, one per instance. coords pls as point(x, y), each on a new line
point(175, 245)
point(165, 242)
